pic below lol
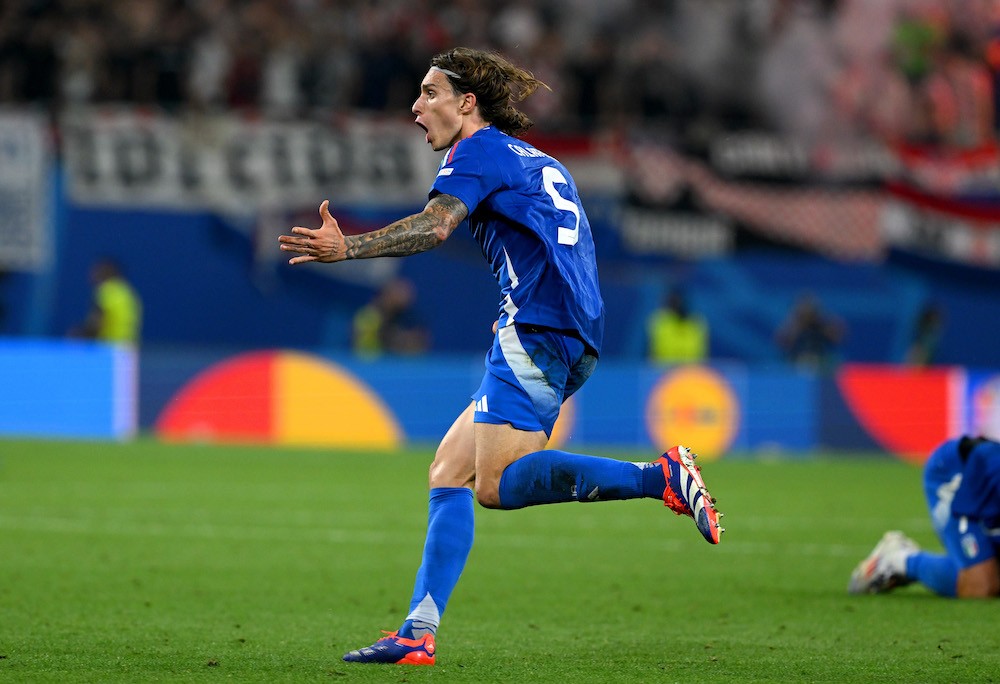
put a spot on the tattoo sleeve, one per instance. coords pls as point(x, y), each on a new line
point(413, 234)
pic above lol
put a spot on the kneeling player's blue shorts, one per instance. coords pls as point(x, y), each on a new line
point(967, 541)
point(530, 372)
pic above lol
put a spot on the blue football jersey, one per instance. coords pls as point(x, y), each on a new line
point(526, 215)
point(978, 496)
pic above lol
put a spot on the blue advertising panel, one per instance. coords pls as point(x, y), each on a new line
point(51, 388)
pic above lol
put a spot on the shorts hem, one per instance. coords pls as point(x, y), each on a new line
point(480, 417)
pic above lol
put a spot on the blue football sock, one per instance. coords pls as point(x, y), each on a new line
point(450, 529)
point(654, 480)
point(552, 476)
point(936, 572)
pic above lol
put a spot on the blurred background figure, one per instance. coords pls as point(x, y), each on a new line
point(116, 314)
point(675, 334)
point(809, 337)
point(926, 336)
point(388, 324)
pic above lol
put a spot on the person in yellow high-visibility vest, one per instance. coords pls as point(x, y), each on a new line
point(675, 334)
point(116, 314)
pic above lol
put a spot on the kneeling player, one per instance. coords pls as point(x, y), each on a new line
point(962, 486)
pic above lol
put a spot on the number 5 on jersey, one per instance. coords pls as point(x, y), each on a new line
point(550, 176)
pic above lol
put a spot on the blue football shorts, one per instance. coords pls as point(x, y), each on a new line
point(530, 372)
point(967, 541)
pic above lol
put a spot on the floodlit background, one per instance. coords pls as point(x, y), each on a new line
point(768, 161)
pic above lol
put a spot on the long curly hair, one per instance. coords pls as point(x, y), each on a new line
point(496, 83)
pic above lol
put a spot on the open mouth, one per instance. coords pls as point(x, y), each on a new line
point(427, 137)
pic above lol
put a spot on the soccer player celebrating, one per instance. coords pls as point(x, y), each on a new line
point(522, 207)
point(962, 486)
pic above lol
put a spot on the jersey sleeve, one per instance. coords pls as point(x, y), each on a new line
point(468, 174)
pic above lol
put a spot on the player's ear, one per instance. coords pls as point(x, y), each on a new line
point(468, 103)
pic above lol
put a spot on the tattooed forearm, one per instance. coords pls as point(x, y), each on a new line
point(413, 234)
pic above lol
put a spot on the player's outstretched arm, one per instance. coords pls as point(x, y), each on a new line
point(410, 235)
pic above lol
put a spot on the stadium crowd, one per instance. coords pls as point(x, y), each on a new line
point(919, 70)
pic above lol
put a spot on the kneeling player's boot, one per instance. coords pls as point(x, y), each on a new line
point(885, 567)
point(686, 493)
point(396, 650)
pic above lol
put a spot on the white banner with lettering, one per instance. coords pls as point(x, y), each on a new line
point(239, 165)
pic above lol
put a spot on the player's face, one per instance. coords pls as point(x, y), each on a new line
point(438, 111)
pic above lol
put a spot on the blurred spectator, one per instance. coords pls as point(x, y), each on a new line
point(675, 334)
point(720, 48)
point(873, 99)
point(657, 82)
point(958, 93)
point(81, 53)
point(171, 55)
point(519, 24)
point(331, 67)
point(589, 94)
point(873, 96)
point(926, 336)
point(992, 53)
point(116, 314)
point(31, 54)
point(915, 37)
point(800, 66)
point(388, 325)
point(809, 336)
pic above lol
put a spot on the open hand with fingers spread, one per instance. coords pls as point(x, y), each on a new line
point(325, 244)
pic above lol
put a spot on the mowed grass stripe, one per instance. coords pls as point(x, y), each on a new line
point(326, 533)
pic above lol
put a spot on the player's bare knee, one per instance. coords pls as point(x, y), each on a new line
point(487, 493)
point(444, 472)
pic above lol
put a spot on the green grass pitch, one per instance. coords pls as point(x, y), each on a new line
point(148, 562)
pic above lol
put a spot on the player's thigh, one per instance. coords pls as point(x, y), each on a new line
point(454, 462)
point(981, 580)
